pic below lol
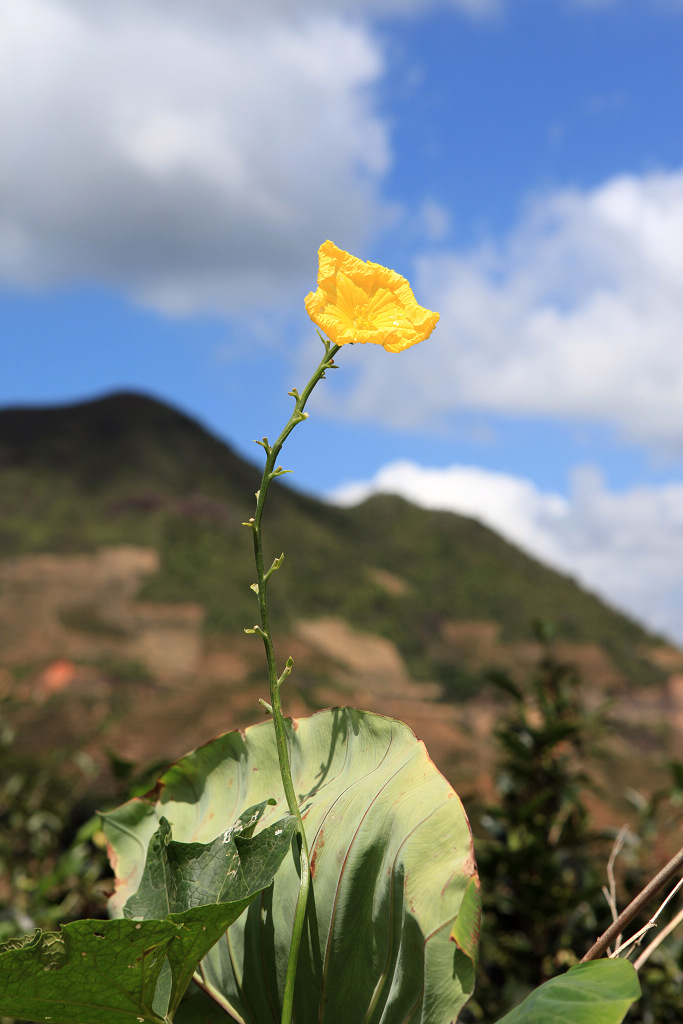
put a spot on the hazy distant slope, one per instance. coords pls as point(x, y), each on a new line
point(121, 438)
point(127, 468)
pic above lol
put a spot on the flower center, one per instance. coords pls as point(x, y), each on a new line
point(362, 316)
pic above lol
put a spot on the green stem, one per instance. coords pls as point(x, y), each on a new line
point(270, 472)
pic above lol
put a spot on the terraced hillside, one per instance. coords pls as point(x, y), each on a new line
point(124, 590)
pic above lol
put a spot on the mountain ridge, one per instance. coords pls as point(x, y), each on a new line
point(128, 468)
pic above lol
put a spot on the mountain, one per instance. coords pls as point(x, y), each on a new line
point(129, 469)
point(124, 591)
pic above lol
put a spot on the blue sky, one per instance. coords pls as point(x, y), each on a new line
point(169, 170)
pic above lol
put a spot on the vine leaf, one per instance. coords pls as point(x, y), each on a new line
point(92, 972)
point(205, 887)
point(129, 971)
point(179, 876)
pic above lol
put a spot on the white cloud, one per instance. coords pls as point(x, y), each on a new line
point(193, 156)
point(228, 12)
point(169, 149)
point(577, 314)
point(194, 162)
point(627, 547)
point(666, 6)
point(436, 220)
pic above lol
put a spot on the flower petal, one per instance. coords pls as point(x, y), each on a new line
point(365, 302)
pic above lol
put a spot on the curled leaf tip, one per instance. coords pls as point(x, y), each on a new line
point(366, 302)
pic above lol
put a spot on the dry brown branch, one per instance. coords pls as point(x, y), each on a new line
point(650, 924)
point(644, 896)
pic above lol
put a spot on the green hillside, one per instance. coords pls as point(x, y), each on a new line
point(129, 469)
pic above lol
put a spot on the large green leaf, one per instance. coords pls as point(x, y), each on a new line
point(598, 992)
point(391, 862)
point(128, 971)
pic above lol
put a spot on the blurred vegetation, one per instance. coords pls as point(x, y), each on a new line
point(542, 864)
point(53, 863)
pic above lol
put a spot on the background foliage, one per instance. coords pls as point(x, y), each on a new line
point(542, 863)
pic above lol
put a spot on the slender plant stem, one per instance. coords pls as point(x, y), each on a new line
point(654, 885)
point(652, 923)
point(674, 923)
point(270, 472)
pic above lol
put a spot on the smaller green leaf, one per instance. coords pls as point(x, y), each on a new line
point(597, 992)
point(90, 972)
point(181, 876)
point(136, 972)
point(467, 925)
point(204, 887)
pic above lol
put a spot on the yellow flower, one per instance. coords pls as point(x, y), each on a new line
point(366, 302)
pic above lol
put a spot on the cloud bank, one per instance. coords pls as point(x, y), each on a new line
point(576, 314)
point(192, 163)
point(193, 157)
point(627, 547)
